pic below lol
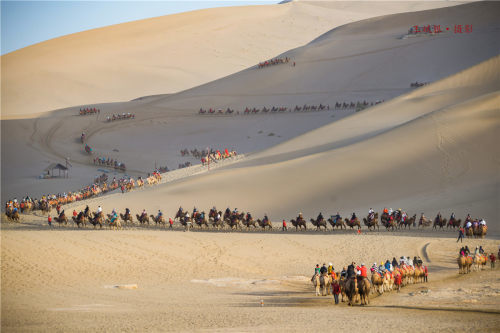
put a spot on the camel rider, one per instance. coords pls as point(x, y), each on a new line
point(483, 222)
point(394, 262)
point(80, 216)
point(217, 219)
point(143, 214)
point(127, 211)
point(62, 214)
point(113, 212)
point(160, 214)
point(195, 212)
point(481, 249)
point(330, 268)
point(410, 261)
point(320, 217)
point(353, 217)
point(387, 265)
point(323, 269)
point(99, 210)
point(362, 271)
point(403, 216)
point(467, 251)
point(235, 211)
point(371, 214)
point(266, 219)
point(350, 271)
point(476, 251)
point(468, 218)
point(452, 217)
point(468, 225)
point(113, 216)
point(300, 218)
point(202, 216)
point(249, 217)
point(316, 269)
point(343, 273)
point(228, 211)
point(86, 211)
point(186, 217)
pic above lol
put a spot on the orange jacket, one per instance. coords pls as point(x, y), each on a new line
point(363, 270)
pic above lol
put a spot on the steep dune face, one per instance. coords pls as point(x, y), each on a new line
point(167, 54)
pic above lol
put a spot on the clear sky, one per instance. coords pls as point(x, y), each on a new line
point(24, 23)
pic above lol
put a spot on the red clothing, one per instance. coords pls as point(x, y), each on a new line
point(363, 270)
point(492, 258)
point(398, 280)
point(170, 221)
point(336, 288)
point(284, 223)
point(425, 270)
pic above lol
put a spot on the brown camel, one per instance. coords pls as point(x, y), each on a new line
point(79, 220)
point(299, 223)
point(142, 219)
point(61, 219)
point(158, 220)
point(364, 287)
point(265, 223)
point(319, 223)
point(337, 223)
point(116, 224)
point(352, 224)
point(378, 283)
point(371, 222)
point(127, 217)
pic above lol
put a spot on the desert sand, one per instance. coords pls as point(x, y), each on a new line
point(170, 53)
point(432, 149)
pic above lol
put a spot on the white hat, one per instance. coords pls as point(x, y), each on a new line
point(330, 264)
point(362, 264)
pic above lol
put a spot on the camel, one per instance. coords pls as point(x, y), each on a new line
point(419, 274)
point(480, 260)
point(97, 219)
point(482, 231)
point(142, 219)
point(265, 223)
point(469, 232)
point(116, 224)
point(439, 222)
point(409, 221)
point(454, 223)
point(299, 223)
point(371, 222)
point(179, 215)
point(351, 290)
point(201, 222)
point(160, 220)
point(463, 265)
point(316, 283)
point(352, 224)
point(388, 281)
point(364, 287)
point(61, 219)
point(337, 222)
point(319, 223)
point(424, 221)
point(378, 282)
point(127, 217)
point(79, 220)
point(250, 222)
point(234, 220)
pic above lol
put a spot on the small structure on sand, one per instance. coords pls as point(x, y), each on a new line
point(49, 171)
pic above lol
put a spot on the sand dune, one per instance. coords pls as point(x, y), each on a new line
point(168, 54)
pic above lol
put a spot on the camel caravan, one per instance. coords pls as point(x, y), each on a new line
point(118, 116)
point(100, 186)
point(354, 285)
point(476, 261)
point(109, 162)
point(343, 105)
point(88, 111)
point(272, 62)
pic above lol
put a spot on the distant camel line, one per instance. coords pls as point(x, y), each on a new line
point(359, 105)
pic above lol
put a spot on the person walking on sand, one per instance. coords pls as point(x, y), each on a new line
point(492, 260)
point(284, 226)
point(49, 221)
point(460, 235)
point(336, 291)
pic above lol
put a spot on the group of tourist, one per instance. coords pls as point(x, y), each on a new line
point(275, 61)
point(465, 252)
point(89, 110)
point(110, 162)
point(253, 110)
point(120, 116)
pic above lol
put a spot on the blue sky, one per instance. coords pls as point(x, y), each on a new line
point(24, 23)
